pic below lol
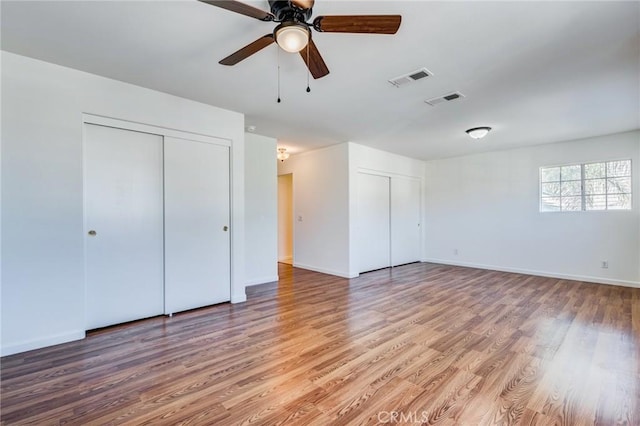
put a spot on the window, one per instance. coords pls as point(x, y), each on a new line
point(590, 186)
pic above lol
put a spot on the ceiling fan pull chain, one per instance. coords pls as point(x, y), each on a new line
point(308, 71)
point(278, 50)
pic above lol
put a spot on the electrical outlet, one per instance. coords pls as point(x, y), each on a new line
point(455, 252)
point(299, 218)
point(604, 264)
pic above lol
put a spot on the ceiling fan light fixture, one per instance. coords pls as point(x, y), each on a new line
point(282, 154)
point(292, 36)
point(479, 132)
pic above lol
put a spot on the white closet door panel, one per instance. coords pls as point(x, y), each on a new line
point(123, 205)
point(197, 246)
point(373, 222)
point(405, 221)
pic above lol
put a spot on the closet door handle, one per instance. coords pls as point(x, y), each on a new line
point(225, 228)
point(92, 233)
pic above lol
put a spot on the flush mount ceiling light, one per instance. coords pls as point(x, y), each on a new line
point(478, 132)
point(282, 154)
point(292, 36)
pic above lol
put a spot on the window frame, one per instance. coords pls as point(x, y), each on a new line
point(583, 195)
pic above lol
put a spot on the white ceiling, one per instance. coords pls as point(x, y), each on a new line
point(537, 72)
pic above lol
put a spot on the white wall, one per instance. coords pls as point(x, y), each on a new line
point(42, 212)
point(261, 209)
point(321, 201)
point(486, 207)
point(325, 197)
point(363, 158)
point(285, 218)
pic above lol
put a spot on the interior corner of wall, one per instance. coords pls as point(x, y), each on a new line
point(239, 297)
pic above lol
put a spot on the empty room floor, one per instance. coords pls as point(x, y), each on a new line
point(420, 343)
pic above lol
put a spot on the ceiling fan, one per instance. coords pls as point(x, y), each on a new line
point(293, 34)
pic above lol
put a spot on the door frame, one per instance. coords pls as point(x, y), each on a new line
point(164, 132)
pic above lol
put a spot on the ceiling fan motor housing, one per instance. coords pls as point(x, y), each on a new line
point(285, 10)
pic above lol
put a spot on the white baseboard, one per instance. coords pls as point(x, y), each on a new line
point(262, 280)
point(41, 343)
point(597, 280)
point(324, 271)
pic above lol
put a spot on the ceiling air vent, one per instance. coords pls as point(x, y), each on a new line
point(445, 98)
point(410, 77)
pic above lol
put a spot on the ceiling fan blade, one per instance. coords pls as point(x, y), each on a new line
point(248, 50)
point(371, 24)
point(303, 4)
point(241, 8)
point(314, 61)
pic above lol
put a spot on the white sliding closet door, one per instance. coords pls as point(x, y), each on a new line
point(405, 221)
point(197, 242)
point(373, 222)
point(123, 225)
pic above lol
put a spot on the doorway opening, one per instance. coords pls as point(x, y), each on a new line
point(285, 218)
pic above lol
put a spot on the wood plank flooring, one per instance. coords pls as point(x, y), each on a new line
point(421, 343)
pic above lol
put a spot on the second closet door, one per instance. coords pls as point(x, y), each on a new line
point(197, 234)
point(405, 221)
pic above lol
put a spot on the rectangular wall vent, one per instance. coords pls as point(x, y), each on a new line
point(445, 98)
point(410, 77)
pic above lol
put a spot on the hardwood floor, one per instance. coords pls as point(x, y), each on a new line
point(421, 343)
